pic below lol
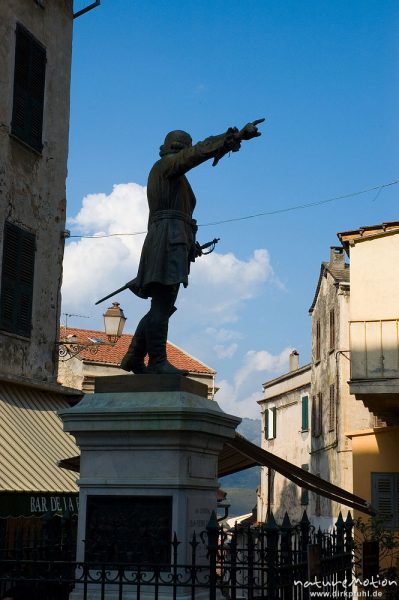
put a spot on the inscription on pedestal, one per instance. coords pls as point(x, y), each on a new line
point(199, 512)
point(131, 529)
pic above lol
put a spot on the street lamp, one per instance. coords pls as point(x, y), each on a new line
point(114, 322)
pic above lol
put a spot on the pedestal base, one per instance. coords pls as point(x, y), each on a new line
point(149, 467)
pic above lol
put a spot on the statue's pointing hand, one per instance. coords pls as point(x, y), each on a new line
point(249, 131)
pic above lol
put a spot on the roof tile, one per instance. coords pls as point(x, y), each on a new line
point(113, 354)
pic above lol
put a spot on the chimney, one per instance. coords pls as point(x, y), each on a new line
point(294, 360)
point(337, 257)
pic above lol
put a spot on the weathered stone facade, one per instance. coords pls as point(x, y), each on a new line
point(285, 394)
point(333, 412)
point(331, 451)
point(32, 183)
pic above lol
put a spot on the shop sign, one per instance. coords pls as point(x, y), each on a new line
point(25, 504)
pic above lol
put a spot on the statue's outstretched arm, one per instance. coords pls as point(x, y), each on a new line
point(212, 147)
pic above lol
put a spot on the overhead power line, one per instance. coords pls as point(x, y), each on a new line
point(263, 214)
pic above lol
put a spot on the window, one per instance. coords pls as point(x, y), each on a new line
point(317, 350)
point(385, 497)
point(317, 414)
point(305, 413)
point(332, 329)
point(17, 280)
point(331, 409)
point(29, 78)
point(304, 491)
point(270, 423)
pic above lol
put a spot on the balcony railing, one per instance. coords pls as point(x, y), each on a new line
point(374, 347)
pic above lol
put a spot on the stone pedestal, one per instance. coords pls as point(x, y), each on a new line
point(148, 468)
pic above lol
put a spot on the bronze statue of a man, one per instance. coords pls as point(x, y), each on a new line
point(170, 245)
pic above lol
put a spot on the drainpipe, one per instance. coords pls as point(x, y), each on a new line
point(85, 10)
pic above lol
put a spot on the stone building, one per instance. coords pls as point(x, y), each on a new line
point(36, 48)
point(286, 399)
point(35, 64)
point(308, 412)
point(334, 411)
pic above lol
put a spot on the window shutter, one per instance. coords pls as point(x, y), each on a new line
point(317, 352)
point(29, 80)
point(305, 413)
point(17, 280)
point(21, 78)
point(384, 486)
point(319, 413)
point(27, 265)
point(8, 313)
point(38, 68)
point(331, 409)
point(313, 424)
point(270, 423)
point(332, 329)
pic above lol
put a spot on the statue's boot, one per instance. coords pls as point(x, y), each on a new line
point(157, 333)
point(134, 357)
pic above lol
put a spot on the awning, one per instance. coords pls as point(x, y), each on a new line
point(32, 441)
point(239, 454)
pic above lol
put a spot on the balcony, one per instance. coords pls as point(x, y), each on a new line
point(374, 379)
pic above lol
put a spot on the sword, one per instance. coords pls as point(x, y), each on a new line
point(211, 245)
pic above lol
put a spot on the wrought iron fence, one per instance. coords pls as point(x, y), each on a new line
point(252, 561)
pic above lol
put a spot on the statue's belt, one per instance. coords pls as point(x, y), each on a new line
point(172, 214)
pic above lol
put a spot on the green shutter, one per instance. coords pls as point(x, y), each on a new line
point(29, 80)
point(305, 413)
point(17, 280)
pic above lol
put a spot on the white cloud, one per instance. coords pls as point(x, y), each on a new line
point(221, 283)
point(224, 335)
point(223, 351)
point(240, 396)
point(261, 361)
point(93, 267)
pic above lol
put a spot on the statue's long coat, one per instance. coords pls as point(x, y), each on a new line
point(169, 246)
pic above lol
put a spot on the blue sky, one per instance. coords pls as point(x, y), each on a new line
point(325, 76)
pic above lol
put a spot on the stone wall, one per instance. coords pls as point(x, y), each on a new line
point(331, 451)
point(291, 443)
point(32, 184)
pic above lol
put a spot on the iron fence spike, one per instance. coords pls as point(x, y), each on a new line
point(271, 522)
point(286, 524)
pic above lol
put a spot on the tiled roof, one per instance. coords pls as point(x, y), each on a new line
point(346, 237)
point(32, 441)
point(113, 354)
point(337, 273)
